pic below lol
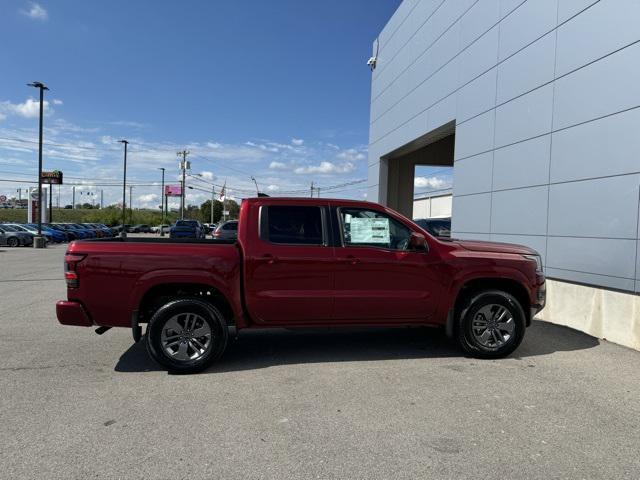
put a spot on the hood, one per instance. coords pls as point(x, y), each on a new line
point(494, 247)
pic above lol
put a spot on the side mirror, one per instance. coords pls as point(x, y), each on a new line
point(417, 241)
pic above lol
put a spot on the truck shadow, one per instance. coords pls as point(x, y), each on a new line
point(255, 349)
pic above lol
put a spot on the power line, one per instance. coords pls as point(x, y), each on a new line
point(225, 166)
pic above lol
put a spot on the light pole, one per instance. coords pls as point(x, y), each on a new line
point(162, 204)
point(254, 181)
point(123, 234)
point(39, 240)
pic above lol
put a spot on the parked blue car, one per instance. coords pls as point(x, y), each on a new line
point(55, 235)
point(187, 229)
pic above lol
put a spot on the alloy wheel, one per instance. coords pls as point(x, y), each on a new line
point(493, 326)
point(186, 337)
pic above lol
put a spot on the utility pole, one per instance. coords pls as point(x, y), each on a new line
point(51, 203)
point(184, 166)
point(124, 189)
point(20, 196)
point(101, 199)
point(311, 189)
point(73, 199)
point(213, 192)
point(162, 205)
point(131, 203)
point(39, 241)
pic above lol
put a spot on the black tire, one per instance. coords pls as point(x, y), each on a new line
point(473, 314)
point(13, 242)
point(174, 311)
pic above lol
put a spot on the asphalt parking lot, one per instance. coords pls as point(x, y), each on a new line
point(372, 404)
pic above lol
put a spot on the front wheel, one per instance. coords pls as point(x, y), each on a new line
point(491, 325)
point(186, 335)
point(13, 242)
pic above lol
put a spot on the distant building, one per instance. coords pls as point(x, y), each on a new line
point(433, 205)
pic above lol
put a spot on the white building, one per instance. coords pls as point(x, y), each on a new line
point(535, 104)
point(433, 205)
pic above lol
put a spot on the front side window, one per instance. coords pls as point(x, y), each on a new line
point(294, 225)
point(369, 228)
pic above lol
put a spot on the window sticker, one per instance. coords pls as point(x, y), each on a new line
point(370, 230)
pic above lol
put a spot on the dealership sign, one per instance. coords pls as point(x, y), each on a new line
point(52, 178)
point(173, 190)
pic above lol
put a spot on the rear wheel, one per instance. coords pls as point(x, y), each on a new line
point(13, 242)
point(186, 335)
point(491, 325)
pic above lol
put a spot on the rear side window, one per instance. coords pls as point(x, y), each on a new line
point(230, 226)
point(295, 225)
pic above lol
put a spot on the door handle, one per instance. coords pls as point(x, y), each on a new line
point(270, 259)
point(351, 260)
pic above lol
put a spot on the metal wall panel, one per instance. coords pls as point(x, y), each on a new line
point(546, 99)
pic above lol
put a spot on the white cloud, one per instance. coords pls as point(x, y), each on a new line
point(326, 168)
point(351, 154)
point(2, 116)
point(277, 165)
point(431, 182)
point(57, 101)
point(36, 12)
point(266, 148)
point(297, 141)
point(30, 108)
point(273, 188)
point(208, 176)
point(125, 123)
point(149, 197)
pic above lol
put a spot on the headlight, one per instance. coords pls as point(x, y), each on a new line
point(537, 259)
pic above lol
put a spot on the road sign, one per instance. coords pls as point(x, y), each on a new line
point(52, 178)
point(173, 190)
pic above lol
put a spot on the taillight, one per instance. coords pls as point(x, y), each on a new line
point(71, 261)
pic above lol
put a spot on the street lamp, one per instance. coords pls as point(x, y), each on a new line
point(39, 240)
point(254, 181)
point(123, 234)
point(162, 204)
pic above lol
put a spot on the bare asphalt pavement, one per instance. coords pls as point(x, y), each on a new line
point(348, 404)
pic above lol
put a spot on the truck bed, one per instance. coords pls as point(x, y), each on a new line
point(116, 273)
point(161, 240)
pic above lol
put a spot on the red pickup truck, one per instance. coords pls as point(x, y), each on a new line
point(302, 263)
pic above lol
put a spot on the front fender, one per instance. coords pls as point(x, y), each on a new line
point(463, 277)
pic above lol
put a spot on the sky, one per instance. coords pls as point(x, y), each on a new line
point(275, 90)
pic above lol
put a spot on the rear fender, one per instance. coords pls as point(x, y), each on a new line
point(161, 277)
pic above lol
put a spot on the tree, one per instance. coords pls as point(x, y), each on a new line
point(205, 211)
point(233, 208)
